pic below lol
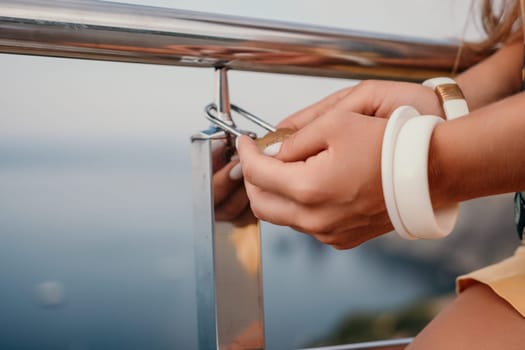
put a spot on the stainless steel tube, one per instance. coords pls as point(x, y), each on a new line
point(394, 344)
point(129, 33)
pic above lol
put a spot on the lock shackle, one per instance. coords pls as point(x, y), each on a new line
point(211, 115)
point(253, 118)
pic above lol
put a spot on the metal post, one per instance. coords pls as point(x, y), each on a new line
point(227, 253)
point(203, 228)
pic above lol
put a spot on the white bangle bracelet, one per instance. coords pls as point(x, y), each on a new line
point(411, 188)
point(395, 123)
point(404, 166)
point(450, 96)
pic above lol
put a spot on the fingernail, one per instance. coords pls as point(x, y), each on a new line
point(273, 149)
point(235, 157)
point(237, 142)
point(236, 172)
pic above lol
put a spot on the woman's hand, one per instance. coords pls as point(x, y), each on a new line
point(325, 181)
point(370, 97)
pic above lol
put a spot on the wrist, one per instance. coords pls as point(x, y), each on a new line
point(454, 104)
point(480, 155)
point(439, 174)
point(454, 164)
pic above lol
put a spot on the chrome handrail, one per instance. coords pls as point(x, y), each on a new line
point(102, 30)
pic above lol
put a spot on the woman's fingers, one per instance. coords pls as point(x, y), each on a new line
point(263, 171)
point(282, 211)
point(271, 207)
point(301, 118)
point(347, 237)
point(356, 236)
point(295, 180)
point(320, 222)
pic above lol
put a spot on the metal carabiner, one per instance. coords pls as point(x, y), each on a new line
point(219, 114)
point(253, 118)
point(211, 115)
point(274, 135)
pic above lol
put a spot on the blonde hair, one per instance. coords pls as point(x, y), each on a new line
point(501, 25)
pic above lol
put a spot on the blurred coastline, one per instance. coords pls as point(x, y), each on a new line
point(96, 239)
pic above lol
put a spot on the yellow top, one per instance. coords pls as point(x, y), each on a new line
point(506, 279)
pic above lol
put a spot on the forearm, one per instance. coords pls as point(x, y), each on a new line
point(481, 154)
point(495, 78)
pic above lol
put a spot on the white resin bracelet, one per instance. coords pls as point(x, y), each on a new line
point(396, 121)
point(404, 166)
point(450, 96)
point(411, 188)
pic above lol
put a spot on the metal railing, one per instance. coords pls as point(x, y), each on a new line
point(129, 33)
point(230, 302)
point(396, 344)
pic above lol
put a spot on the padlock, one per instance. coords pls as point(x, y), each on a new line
point(273, 136)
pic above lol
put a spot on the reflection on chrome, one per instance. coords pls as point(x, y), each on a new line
point(227, 256)
point(247, 245)
point(132, 33)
